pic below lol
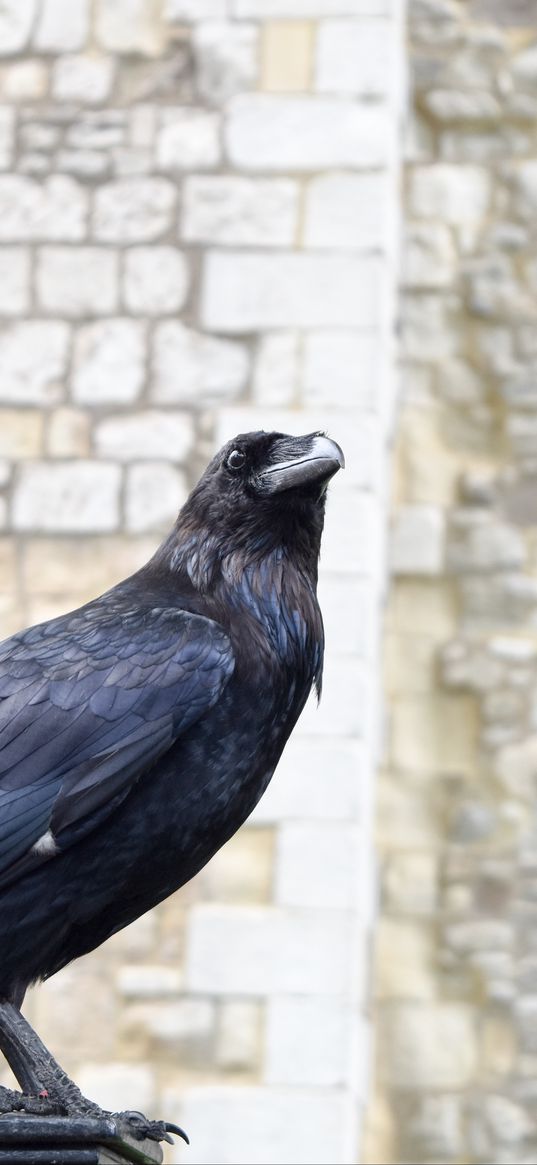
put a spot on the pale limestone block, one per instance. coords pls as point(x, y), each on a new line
point(7, 132)
point(318, 865)
point(21, 433)
point(77, 281)
point(61, 27)
point(346, 706)
point(449, 105)
point(525, 181)
point(7, 565)
point(128, 162)
point(76, 497)
point(3, 513)
point(16, 19)
point(342, 370)
point(109, 362)
point(188, 366)
point(59, 1008)
point(428, 256)
point(148, 981)
point(418, 540)
point(300, 789)
point(225, 57)
point(286, 56)
point(272, 132)
point(259, 291)
point(347, 210)
point(276, 370)
point(309, 8)
point(350, 613)
point(154, 494)
point(100, 129)
point(355, 56)
point(404, 960)
point(434, 733)
point(31, 211)
point(83, 163)
point(309, 1042)
point(271, 1125)
point(119, 1087)
point(147, 434)
point(26, 80)
point(410, 883)
point(87, 565)
point(33, 358)
point(68, 433)
point(353, 535)
point(240, 211)
point(183, 1028)
point(188, 139)
point(429, 1046)
point(230, 950)
point(481, 543)
point(238, 1040)
point(133, 210)
point(455, 194)
point(14, 281)
point(177, 10)
point(83, 78)
point(428, 331)
point(5, 473)
point(155, 280)
point(130, 26)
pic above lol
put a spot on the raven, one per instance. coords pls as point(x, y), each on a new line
point(138, 732)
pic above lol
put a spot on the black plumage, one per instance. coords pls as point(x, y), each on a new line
point(138, 732)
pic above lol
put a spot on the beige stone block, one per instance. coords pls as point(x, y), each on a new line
point(59, 1008)
point(242, 871)
point(426, 469)
point(287, 56)
point(11, 615)
point(379, 1143)
point(68, 433)
point(410, 883)
point(238, 1039)
point(55, 566)
point(428, 1046)
point(8, 566)
point(434, 734)
point(21, 433)
point(406, 819)
point(420, 607)
point(409, 663)
point(404, 961)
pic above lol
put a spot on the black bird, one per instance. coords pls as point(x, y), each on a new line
point(138, 732)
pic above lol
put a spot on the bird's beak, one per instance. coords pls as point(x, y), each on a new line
point(304, 460)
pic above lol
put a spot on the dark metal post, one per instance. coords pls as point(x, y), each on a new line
point(62, 1140)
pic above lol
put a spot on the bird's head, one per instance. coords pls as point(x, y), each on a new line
point(262, 491)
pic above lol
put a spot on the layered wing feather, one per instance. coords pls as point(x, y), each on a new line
point(87, 703)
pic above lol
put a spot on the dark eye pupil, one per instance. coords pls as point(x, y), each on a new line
point(236, 459)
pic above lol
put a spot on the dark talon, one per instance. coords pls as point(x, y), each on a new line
point(177, 1130)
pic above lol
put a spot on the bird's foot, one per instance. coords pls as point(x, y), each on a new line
point(39, 1105)
point(143, 1129)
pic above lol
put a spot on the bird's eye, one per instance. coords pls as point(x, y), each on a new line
point(236, 459)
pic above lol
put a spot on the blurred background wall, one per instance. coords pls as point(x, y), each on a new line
point(198, 214)
point(455, 980)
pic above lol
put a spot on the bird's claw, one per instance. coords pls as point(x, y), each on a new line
point(39, 1105)
point(143, 1128)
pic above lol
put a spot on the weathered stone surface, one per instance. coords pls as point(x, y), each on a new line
point(154, 492)
point(68, 433)
point(240, 211)
point(148, 981)
point(429, 1046)
point(77, 281)
point(82, 78)
point(238, 1036)
point(418, 540)
point(109, 362)
point(478, 543)
point(188, 139)
point(243, 292)
point(429, 256)
point(188, 366)
point(21, 433)
point(341, 366)
point(119, 1085)
point(225, 56)
point(33, 358)
point(287, 49)
point(16, 19)
point(14, 281)
point(266, 132)
point(347, 211)
point(452, 193)
point(31, 211)
point(129, 26)
point(133, 210)
point(318, 866)
point(447, 105)
point(308, 1042)
point(61, 28)
point(355, 56)
point(146, 434)
point(26, 80)
point(155, 280)
point(80, 496)
point(276, 374)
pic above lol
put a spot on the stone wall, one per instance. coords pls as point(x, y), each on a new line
point(198, 215)
point(456, 964)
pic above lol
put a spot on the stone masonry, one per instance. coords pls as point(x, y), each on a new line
point(456, 948)
point(198, 219)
